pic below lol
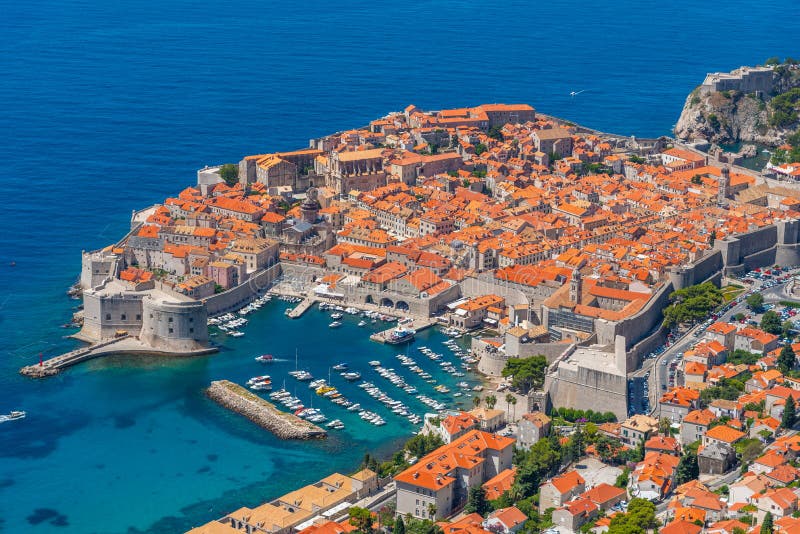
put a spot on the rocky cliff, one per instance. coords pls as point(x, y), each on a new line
point(733, 116)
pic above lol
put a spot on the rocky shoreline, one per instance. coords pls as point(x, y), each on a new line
point(239, 400)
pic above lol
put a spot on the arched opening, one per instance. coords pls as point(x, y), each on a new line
point(401, 305)
point(387, 302)
point(369, 300)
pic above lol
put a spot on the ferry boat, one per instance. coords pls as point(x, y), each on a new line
point(12, 416)
point(265, 358)
point(335, 324)
point(400, 335)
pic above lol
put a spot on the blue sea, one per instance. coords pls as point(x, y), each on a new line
point(106, 107)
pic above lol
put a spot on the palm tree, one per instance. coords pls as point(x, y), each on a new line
point(476, 400)
point(431, 511)
point(514, 404)
point(491, 400)
point(509, 400)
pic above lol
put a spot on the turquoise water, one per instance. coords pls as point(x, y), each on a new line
point(145, 442)
point(106, 107)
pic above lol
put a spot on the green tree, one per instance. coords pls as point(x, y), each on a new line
point(421, 526)
point(688, 468)
point(712, 238)
point(692, 303)
point(622, 479)
point(772, 61)
point(755, 301)
point(526, 373)
point(664, 426)
point(399, 526)
point(787, 359)
point(490, 401)
point(766, 525)
point(509, 399)
point(739, 316)
point(230, 173)
point(771, 322)
point(640, 517)
point(496, 132)
point(476, 401)
point(361, 518)
point(476, 501)
point(431, 511)
point(480, 148)
point(697, 179)
point(789, 417)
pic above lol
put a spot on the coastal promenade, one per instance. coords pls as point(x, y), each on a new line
point(121, 345)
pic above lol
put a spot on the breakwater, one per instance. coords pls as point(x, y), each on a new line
point(284, 425)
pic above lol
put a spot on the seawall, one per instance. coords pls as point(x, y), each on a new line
point(284, 425)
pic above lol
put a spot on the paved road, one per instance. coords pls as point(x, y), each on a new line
point(658, 368)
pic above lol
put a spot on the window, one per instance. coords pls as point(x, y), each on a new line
point(170, 330)
point(123, 317)
point(191, 330)
point(191, 319)
point(170, 319)
point(108, 317)
point(138, 316)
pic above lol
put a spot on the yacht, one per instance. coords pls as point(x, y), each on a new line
point(13, 416)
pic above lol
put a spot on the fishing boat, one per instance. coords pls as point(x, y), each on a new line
point(265, 358)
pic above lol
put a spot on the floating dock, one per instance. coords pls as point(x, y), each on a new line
point(301, 308)
point(261, 412)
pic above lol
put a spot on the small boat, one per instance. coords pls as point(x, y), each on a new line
point(340, 366)
point(353, 375)
point(261, 386)
point(236, 333)
point(257, 379)
point(265, 358)
point(13, 416)
point(362, 323)
point(354, 407)
point(374, 363)
point(335, 324)
point(336, 316)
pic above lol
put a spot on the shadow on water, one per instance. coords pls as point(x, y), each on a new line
point(48, 515)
